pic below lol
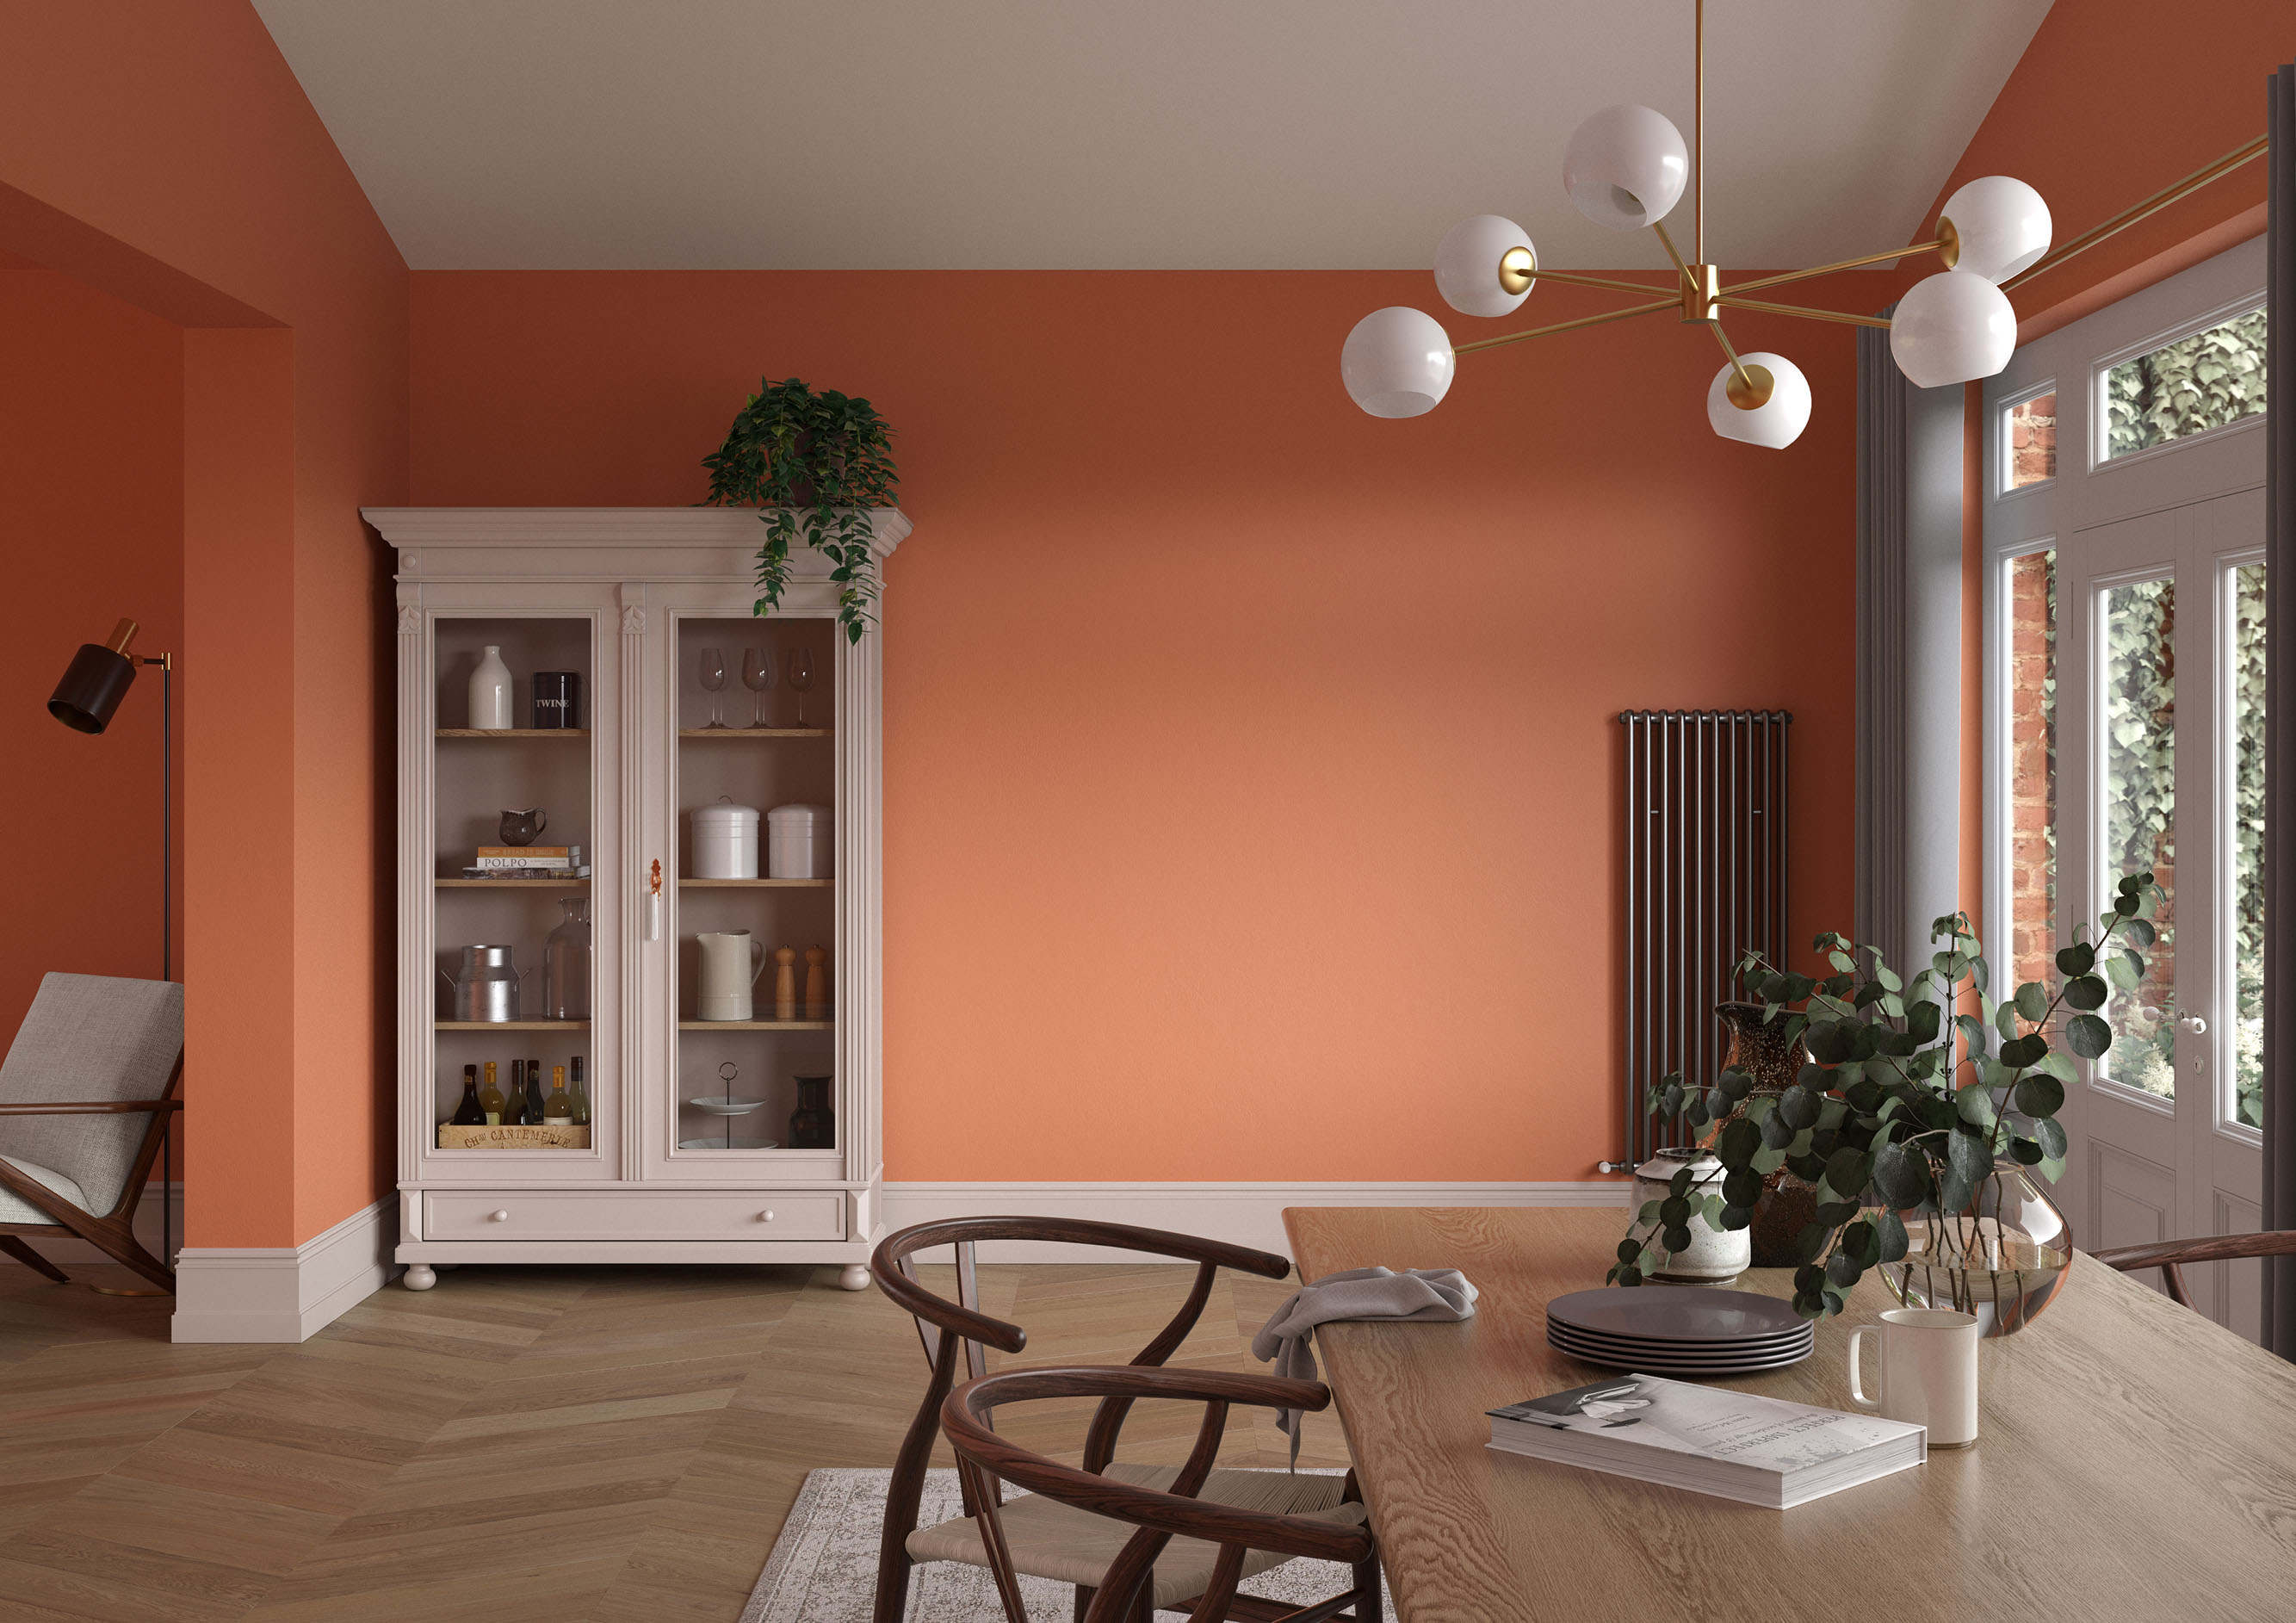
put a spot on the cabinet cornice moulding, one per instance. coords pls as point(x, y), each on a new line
point(452, 528)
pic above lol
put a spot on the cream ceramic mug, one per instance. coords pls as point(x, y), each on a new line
point(1929, 1372)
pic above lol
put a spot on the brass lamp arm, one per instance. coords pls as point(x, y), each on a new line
point(1805, 311)
point(1651, 309)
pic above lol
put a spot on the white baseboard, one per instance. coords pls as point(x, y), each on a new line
point(284, 1293)
point(149, 1212)
point(1242, 1214)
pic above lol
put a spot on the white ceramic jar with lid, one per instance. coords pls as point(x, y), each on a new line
point(725, 842)
point(798, 842)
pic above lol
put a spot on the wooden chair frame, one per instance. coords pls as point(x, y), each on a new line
point(114, 1233)
point(2170, 1256)
point(953, 1329)
point(1124, 1596)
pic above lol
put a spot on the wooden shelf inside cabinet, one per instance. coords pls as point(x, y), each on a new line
point(756, 884)
point(513, 732)
point(757, 1025)
point(757, 732)
point(514, 884)
point(513, 1025)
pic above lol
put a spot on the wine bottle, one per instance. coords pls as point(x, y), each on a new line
point(534, 1092)
point(470, 1113)
point(558, 1110)
point(490, 1098)
point(515, 1097)
point(580, 1096)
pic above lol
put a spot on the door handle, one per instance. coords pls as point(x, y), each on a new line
point(2192, 1025)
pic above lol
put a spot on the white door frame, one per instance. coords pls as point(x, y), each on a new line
point(2089, 512)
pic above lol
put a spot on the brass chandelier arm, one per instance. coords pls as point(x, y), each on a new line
point(1745, 377)
point(1651, 309)
point(1575, 280)
point(1804, 310)
point(2150, 206)
point(1674, 253)
point(1839, 265)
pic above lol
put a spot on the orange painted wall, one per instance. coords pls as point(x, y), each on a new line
point(164, 153)
point(1252, 796)
point(91, 530)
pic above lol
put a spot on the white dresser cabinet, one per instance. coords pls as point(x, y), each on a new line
point(627, 599)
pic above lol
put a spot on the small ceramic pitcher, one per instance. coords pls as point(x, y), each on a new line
point(731, 964)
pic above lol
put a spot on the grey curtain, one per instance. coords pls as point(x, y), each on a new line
point(1908, 812)
point(2280, 716)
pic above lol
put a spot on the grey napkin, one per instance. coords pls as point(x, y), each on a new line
point(1433, 1295)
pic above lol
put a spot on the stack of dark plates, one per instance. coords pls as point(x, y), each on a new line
point(1679, 1329)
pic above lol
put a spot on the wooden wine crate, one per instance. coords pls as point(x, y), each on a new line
point(452, 1138)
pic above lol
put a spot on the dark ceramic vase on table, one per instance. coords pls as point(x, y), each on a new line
point(1761, 1049)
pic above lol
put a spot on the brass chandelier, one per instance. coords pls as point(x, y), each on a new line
point(1626, 167)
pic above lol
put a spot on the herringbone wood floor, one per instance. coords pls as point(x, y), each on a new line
point(552, 1444)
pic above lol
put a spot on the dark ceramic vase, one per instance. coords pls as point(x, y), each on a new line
point(1761, 1050)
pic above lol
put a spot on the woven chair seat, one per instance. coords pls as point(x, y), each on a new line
point(1068, 1546)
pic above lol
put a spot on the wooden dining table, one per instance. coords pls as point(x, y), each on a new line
point(2135, 1461)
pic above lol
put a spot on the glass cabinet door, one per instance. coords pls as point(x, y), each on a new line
point(522, 786)
point(750, 950)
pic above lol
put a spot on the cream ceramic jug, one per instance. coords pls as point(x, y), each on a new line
point(731, 964)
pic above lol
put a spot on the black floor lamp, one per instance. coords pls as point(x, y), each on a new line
point(95, 683)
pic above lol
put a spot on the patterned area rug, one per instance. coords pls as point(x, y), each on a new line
point(824, 1568)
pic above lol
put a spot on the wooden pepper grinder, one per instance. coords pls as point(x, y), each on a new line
point(816, 984)
point(784, 983)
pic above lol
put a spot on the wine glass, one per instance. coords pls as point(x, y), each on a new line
point(801, 678)
point(757, 676)
point(713, 681)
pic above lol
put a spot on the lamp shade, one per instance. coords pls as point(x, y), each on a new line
point(1777, 422)
point(1626, 167)
point(1397, 363)
point(1467, 264)
point(1951, 328)
point(2002, 223)
point(95, 683)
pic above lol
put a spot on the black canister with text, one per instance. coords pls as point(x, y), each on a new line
point(557, 699)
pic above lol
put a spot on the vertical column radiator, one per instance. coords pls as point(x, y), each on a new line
point(1706, 883)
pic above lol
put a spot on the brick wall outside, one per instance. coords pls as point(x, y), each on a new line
point(2033, 767)
point(2033, 441)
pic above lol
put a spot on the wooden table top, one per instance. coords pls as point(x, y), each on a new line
point(2135, 1460)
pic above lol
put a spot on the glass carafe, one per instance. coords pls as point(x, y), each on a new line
point(566, 964)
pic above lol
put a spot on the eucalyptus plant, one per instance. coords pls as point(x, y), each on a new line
point(825, 457)
point(1910, 1103)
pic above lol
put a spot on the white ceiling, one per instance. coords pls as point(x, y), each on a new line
point(1082, 134)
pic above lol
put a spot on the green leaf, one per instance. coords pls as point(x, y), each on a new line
point(1735, 1217)
point(2078, 959)
point(2027, 1050)
point(1678, 1239)
point(2138, 930)
point(1974, 1105)
point(2040, 1096)
point(1674, 1211)
point(2033, 1001)
point(2086, 992)
point(1842, 1270)
point(1739, 1142)
point(2087, 1036)
point(2050, 1133)
point(2127, 971)
point(1922, 1022)
point(1901, 1176)
point(2024, 1152)
point(1629, 1250)
point(1742, 1187)
point(1649, 1212)
point(1847, 1170)
point(1861, 1242)
point(1892, 1229)
point(1798, 1107)
point(1811, 1242)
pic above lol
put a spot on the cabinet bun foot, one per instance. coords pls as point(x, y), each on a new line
point(419, 1276)
point(854, 1277)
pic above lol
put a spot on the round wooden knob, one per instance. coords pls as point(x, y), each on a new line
point(765, 1217)
point(499, 1216)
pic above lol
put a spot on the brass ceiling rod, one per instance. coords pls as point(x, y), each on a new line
point(2152, 205)
point(1842, 316)
point(1566, 326)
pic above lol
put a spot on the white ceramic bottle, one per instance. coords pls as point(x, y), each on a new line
point(490, 692)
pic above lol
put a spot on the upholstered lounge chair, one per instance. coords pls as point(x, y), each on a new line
point(85, 1095)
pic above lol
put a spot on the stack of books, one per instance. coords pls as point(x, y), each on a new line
point(1708, 1440)
point(528, 862)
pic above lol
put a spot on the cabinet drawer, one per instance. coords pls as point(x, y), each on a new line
point(619, 1214)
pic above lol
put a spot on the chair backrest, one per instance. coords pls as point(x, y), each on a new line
point(936, 1317)
point(91, 1039)
point(1160, 1516)
point(2170, 1256)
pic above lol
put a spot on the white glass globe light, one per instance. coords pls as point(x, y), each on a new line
point(2002, 224)
point(1467, 264)
point(1952, 328)
point(1777, 422)
point(1626, 167)
point(1397, 363)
